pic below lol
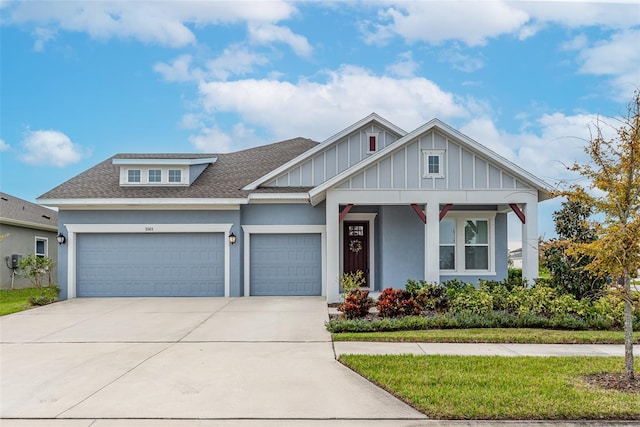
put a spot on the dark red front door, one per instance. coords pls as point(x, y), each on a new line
point(356, 248)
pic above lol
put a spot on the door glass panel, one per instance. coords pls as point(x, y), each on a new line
point(356, 230)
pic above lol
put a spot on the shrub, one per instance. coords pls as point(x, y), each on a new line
point(399, 302)
point(473, 300)
point(352, 281)
point(356, 304)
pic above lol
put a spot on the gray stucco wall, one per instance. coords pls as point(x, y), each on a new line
point(154, 217)
point(401, 246)
point(21, 240)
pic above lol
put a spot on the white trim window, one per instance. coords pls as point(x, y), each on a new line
point(467, 244)
point(155, 175)
point(133, 175)
point(433, 163)
point(41, 247)
point(175, 175)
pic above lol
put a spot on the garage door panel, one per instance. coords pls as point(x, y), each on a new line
point(180, 264)
point(285, 264)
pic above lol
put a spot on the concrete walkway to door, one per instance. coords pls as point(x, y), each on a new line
point(93, 361)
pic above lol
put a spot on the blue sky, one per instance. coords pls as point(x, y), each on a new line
point(81, 81)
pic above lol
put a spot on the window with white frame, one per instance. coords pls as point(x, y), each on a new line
point(433, 163)
point(42, 246)
point(466, 243)
point(175, 175)
point(155, 175)
point(133, 175)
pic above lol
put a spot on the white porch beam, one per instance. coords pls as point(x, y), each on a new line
point(332, 275)
point(432, 244)
point(530, 242)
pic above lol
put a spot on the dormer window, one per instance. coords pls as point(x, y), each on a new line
point(175, 175)
point(155, 175)
point(162, 171)
point(372, 142)
point(133, 175)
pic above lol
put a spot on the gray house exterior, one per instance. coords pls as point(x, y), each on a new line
point(27, 229)
point(429, 204)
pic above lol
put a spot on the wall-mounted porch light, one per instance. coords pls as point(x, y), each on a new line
point(61, 239)
point(232, 239)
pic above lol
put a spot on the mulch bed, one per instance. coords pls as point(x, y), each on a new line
point(617, 382)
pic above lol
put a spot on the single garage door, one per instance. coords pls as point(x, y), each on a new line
point(162, 264)
point(286, 264)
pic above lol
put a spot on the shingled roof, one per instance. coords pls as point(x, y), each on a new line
point(20, 212)
point(222, 179)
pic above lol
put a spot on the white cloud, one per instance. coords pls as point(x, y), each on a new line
point(235, 60)
point(269, 33)
point(576, 14)
point(310, 109)
point(50, 148)
point(211, 140)
point(3, 145)
point(618, 57)
point(42, 36)
point(178, 70)
point(159, 22)
point(460, 61)
point(437, 21)
point(405, 66)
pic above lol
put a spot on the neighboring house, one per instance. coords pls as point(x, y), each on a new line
point(429, 204)
point(515, 258)
point(27, 229)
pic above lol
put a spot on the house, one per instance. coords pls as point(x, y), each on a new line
point(515, 258)
point(27, 229)
point(289, 218)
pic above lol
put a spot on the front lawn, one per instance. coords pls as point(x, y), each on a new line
point(512, 388)
point(15, 300)
point(491, 335)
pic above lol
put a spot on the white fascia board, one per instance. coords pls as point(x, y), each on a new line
point(265, 197)
point(27, 224)
point(373, 117)
point(543, 188)
point(151, 202)
point(166, 162)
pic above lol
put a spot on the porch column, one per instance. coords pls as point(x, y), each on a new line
point(530, 241)
point(432, 244)
point(332, 275)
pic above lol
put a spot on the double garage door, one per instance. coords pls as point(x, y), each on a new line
point(162, 264)
point(192, 264)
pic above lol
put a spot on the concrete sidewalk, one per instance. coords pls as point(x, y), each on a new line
point(356, 347)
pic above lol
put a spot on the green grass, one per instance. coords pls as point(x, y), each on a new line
point(491, 335)
point(15, 300)
point(474, 387)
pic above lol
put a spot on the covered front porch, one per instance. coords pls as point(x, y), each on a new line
point(395, 235)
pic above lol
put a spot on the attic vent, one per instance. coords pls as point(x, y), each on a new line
point(46, 216)
point(4, 198)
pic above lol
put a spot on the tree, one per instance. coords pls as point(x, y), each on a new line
point(569, 272)
point(614, 181)
point(39, 271)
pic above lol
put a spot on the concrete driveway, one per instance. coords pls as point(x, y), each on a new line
point(182, 358)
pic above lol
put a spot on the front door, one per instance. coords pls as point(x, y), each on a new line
point(356, 248)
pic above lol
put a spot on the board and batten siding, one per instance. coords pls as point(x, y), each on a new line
point(334, 159)
point(404, 168)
